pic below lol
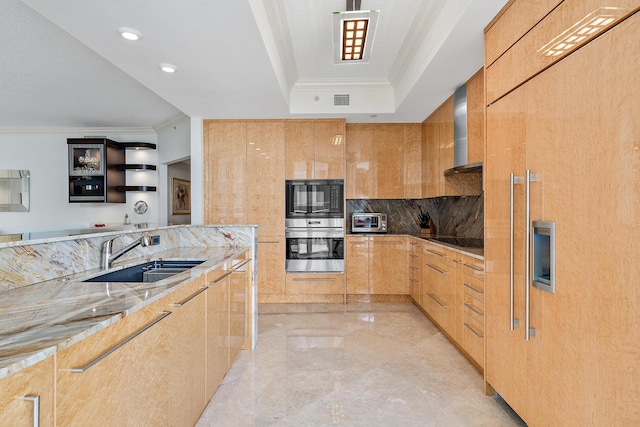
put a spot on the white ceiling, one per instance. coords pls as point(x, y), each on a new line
point(235, 59)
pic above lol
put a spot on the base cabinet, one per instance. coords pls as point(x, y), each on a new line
point(238, 306)
point(128, 387)
point(217, 341)
point(187, 338)
point(376, 265)
point(18, 395)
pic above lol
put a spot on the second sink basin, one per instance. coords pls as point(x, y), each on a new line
point(147, 272)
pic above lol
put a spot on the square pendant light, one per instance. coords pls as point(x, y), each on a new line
point(353, 34)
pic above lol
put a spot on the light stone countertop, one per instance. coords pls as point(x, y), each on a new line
point(40, 319)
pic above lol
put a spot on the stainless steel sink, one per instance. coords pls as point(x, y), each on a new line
point(147, 272)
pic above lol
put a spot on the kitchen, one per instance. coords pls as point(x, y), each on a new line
point(538, 179)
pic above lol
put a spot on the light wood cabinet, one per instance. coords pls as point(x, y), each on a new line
point(357, 264)
point(187, 338)
point(387, 266)
point(239, 282)
point(271, 273)
point(438, 156)
point(225, 172)
point(384, 161)
point(561, 128)
point(360, 179)
point(438, 280)
point(315, 283)
point(413, 161)
point(388, 143)
point(376, 265)
point(414, 271)
point(265, 177)
point(475, 117)
point(217, 342)
point(18, 391)
point(315, 149)
point(108, 390)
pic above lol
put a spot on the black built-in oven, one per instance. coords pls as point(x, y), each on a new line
point(315, 198)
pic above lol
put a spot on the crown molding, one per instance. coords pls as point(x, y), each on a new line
point(172, 121)
point(76, 130)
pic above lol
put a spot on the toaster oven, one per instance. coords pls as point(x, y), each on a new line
point(368, 222)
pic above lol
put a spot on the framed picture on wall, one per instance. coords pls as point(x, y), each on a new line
point(180, 197)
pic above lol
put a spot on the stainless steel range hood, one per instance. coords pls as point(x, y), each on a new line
point(460, 157)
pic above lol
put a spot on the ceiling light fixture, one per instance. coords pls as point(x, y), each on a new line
point(168, 68)
point(129, 33)
point(353, 33)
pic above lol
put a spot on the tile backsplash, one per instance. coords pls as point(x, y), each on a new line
point(453, 216)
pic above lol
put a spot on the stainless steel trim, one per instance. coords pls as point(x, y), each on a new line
point(314, 265)
point(472, 308)
point(436, 300)
point(315, 279)
point(36, 408)
point(302, 233)
point(180, 304)
point(314, 223)
point(437, 269)
point(472, 288)
point(117, 346)
point(473, 267)
point(218, 279)
point(512, 321)
point(527, 268)
point(440, 254)
point(473, 330)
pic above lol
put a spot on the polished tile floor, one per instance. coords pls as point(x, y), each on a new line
point(359, 364)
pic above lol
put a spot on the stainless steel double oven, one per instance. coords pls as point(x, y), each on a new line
point(314, 226)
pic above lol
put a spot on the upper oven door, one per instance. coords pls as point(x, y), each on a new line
point(315, 199)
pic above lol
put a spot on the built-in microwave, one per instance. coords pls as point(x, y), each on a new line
point(315, 198)
point(368, 222)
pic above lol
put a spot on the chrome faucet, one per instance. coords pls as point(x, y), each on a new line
point(108, 258)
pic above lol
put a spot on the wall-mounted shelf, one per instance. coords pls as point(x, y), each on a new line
point(136, 188)
point(136, 167)
point(137, 145)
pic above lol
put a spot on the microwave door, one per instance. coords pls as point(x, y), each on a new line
point(300, 199)
point(319, 199)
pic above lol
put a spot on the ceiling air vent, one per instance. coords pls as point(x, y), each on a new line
point(340, 100)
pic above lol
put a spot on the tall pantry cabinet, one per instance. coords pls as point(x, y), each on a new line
point(574, 129)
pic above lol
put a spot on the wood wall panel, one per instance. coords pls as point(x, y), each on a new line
point(360, 174)
point(299, 149)
point(413, 161)
point(329, 149)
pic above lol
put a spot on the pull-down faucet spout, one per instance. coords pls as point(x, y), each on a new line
point(107, 258)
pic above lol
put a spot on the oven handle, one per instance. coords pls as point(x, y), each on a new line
point(314, 233)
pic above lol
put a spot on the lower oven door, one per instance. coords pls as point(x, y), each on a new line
point(314, 250)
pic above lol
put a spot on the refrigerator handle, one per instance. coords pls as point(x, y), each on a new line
point(529, 331)
point(513, 322)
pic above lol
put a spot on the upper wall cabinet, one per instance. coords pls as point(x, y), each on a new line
point(383, 161)
point(314, 149)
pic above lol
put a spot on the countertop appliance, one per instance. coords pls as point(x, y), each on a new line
point(370, 222)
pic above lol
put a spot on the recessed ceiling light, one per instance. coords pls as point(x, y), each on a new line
point(129, 33)
point(168, 68)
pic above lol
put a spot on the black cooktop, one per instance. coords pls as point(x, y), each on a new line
point(465, 242)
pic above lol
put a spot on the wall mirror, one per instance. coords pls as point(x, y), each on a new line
point(14, 191)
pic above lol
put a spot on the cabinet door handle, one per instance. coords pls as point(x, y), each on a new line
point(473, 267)
point(457, 261)
point(237, 266)
point(413, 256)
point(213, 282)
point(472, 308)
point(436, 300)
point(473, 289)
point(180, 304)
point(268, 241)
point(437, 269)
point(440, 254)
point(473, 330)
point(36, 408)
point(315, 279)
point(387, 242)
point(413, 268)
point(117, 346)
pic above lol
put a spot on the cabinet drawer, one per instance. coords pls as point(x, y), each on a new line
point(315, 284)
point(473, 309)
point(473, 288)
point(535, 50)
point(473, 267)
point(473, 340)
